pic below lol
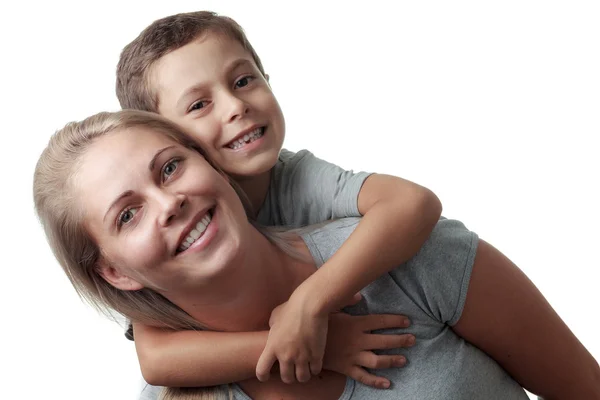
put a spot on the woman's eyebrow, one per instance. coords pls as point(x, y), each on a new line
point(158, 153)
point(126, 193)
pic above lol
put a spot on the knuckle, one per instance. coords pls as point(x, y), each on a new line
point(366, 380)
point(408, 340)
point(382, 362)
point(370, 361)
point(286, 358)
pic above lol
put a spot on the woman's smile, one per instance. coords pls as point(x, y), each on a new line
point(200, 233)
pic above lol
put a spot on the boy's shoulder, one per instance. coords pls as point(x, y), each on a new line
point(290, 157)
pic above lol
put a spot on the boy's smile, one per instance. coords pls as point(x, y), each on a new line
point(214, 90)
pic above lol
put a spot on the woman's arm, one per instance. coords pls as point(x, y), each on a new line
point(507, 317)
point(203, 358)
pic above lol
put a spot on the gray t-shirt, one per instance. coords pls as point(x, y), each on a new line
point(430, 289)
point(306, 190)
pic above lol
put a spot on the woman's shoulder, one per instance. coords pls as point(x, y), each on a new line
point(324, 239)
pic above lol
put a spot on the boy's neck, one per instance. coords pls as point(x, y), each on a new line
point(256, 188)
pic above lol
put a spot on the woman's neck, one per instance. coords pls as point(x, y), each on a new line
point(264, 277)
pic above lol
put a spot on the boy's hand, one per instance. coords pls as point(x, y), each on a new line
point(297, 340)
point(350, 346)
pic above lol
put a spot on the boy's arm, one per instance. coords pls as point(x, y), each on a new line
point(196, 358)
point(203, 358)
point(398, 217)
point(395, 211)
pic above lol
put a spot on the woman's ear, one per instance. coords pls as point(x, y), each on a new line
point(116, 278)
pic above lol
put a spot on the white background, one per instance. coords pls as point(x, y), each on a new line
point(493, 105)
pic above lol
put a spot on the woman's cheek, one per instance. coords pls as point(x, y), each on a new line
point(145, 251)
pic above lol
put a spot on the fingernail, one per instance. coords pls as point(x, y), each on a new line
point(385, 385)
point(406, 322)
point(400, 361)
point(411, 340)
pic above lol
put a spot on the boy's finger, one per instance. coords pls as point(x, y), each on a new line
point(302, 372)
point(374, 341)
point(354, 300)
point(384, 321)
point(316, 366)
point(264, 365)
point(374, 361)
point(362, 376)
point(288, 374)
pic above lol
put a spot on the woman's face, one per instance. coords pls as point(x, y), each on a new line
point(161, 215)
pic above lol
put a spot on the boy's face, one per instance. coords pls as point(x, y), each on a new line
point(213, 89)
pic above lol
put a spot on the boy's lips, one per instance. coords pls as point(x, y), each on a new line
point(246, 136)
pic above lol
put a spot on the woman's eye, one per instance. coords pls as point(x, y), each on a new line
point(170, 168)
point(243, 82)
point(127, 216)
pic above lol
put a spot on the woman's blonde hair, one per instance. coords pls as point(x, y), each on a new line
point(62, 217)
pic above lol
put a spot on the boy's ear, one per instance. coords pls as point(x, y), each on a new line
point(116, 278)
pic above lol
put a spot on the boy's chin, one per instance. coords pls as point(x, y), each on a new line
point(254, 167)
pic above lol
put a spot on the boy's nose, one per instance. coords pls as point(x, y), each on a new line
point(234, 108)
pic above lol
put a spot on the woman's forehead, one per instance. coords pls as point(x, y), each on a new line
point(117, 161)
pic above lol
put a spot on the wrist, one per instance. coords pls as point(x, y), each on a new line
point(310, 299)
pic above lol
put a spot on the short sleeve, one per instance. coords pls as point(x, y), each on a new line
point(437, 277)
point(306, 190)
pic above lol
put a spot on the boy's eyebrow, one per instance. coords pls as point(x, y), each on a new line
point(237, 63)
point(192, 89)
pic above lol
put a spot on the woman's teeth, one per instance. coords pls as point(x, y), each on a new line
point(195, 233)
point(247, 138)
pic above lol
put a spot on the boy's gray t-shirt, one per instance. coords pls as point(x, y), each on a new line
point(306, 190)
point(430, 289)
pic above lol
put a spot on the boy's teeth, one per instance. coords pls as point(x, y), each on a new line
point(195, 233)
point(248, 138)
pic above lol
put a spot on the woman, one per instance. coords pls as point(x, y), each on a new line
point(481, 325)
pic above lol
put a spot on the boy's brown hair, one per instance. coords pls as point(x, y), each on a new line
point(134, 89)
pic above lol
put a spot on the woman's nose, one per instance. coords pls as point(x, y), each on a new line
point(171, 207)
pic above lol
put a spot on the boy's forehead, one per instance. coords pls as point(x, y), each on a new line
point(208, 56)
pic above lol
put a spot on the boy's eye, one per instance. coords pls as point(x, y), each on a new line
point(126, 216)
point(243, 82)
point(198, 105)
point(169, 169)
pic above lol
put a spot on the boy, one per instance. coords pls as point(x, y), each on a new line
point(199, 70)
